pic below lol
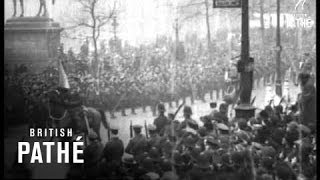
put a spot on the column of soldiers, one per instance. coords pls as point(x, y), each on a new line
point(217, 148)
point(270, 144)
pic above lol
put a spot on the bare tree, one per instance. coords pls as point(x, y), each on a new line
point(94, 18)
point(208, 29)
point(262, 23)
point(200, 6)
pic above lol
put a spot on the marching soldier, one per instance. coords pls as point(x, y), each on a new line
point(154, 139)
point(92, 155)
point(307, 101)
point(213, 107)
point(170, 129)
point(222, 115)
point(114, 149)
point(112, 154)
point(161, 120)
point(138, 144)
point(188, 121)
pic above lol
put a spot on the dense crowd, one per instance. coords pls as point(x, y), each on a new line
point(136, 78)
point(279, 143)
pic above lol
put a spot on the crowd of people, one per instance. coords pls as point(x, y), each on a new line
point(278, 143)
point(137, 78)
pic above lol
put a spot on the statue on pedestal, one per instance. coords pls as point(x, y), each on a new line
point(15, 8)
point(43, 6)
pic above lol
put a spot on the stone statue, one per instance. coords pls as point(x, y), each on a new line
point(43, 6)
point(15, 8)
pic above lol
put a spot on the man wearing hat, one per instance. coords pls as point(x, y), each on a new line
point(167, 147)
point(114, 149)
point(208, 125)
point(201, 169)
point(92, 155)
point(161, 120)
point(138, 144)
point(222, 116)
point(168, 173)
point(283, 171)
point(307, 102)
point(188, 121)
point(223, 135)
point(154, 139)
point(171, 127)
point(146, 170)
point(223, 129)
point(213, 107)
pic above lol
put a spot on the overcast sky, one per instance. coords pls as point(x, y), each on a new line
point(140, 21)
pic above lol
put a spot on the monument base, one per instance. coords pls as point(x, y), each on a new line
point(32, 41)
point(245, 111)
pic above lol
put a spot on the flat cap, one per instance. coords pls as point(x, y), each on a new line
point(152, 127)
point(293, 125)
point(304, 128)
point(114, 127)
point(222, 126)
point(129, 160)
point(212, 141)
point(136, 126)
point(153, 175)
point(268, 151)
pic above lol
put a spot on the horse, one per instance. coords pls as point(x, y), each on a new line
point(68, 114)
point(43, 6)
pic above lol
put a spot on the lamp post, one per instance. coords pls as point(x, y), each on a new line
point(278, 49)
point(245, 67)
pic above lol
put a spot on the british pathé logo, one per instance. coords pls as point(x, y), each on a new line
point(302, 19)
point(300, 3)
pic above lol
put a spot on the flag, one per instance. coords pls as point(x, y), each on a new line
point(63, 79)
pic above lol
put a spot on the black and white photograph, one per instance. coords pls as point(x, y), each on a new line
point(160, 89)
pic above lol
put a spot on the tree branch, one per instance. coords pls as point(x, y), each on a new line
point(86, 25)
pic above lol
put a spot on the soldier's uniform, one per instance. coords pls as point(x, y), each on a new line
point(113, 153)
point(138, 144)
point(114, 149)
point(188, 122)
point(221, 116)
point(161, 120)
point(307, 103)
point(202, 169)
point(92, 155)
point(154, 140)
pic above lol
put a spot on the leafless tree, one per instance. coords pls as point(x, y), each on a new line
point(95, 15)
point(194, 9)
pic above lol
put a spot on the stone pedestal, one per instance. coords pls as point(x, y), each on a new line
point(32, 41)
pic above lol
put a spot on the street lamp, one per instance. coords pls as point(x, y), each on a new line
point(278, 49)
point(245, 67)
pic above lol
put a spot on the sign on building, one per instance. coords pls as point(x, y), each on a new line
point(226, 3)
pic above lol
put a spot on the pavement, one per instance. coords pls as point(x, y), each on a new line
point(56, 170)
